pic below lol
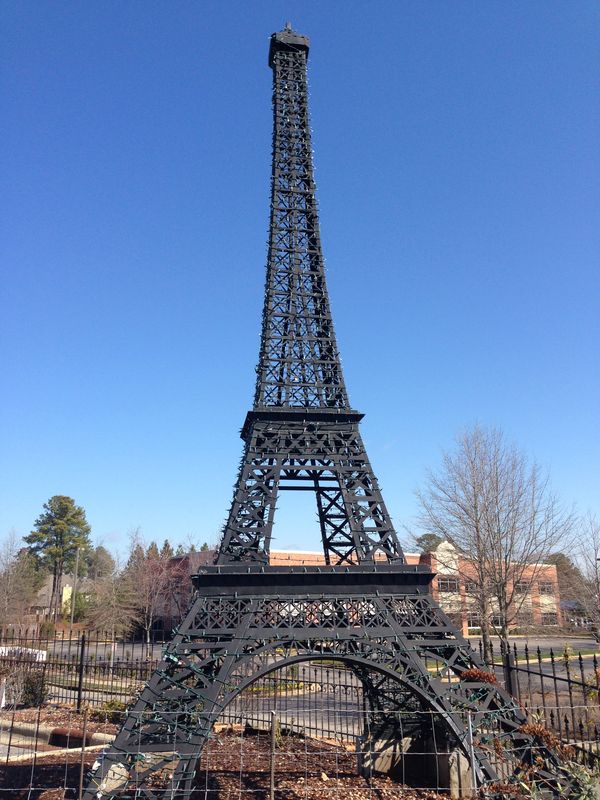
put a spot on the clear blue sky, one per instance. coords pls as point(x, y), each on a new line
point(458, 165)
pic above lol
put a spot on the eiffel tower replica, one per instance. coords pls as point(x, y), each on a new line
point(365, 607)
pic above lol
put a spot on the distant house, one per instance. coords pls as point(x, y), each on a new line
point(41, 607)
point(29, 624)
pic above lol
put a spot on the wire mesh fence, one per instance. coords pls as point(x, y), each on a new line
point(263, 754)
point(304, 731)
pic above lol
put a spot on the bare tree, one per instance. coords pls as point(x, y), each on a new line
point(571, 585)
point(8, 579)
point(178, 587)
point(113, 606)
point(589, 558)
point(497, 509)
point(156, 580)
point(19, 581)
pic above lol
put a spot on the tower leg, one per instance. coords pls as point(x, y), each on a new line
point(374, 619)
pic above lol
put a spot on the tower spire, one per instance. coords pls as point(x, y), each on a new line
point(299, 364)
point(301, 433)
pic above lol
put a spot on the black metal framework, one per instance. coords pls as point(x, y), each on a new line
point(318, 452)
point(302, 433)
point(366, 607)
point(247, 622)
point(299, 365)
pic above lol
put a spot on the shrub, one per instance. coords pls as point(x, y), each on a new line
point(26, 687)
point(592, 682)
point(47, 629)
point(35, 691)
point(477, 675)
point(110, 711)
point(542, 734)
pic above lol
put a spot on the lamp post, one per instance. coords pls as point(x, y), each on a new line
point(73, 590)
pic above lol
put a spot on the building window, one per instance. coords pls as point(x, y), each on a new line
point(546, 587)
point(521, 587)
point(473, 620)
point(471, 587)
point(448, 585)
point(524, 618)
point(549, 618)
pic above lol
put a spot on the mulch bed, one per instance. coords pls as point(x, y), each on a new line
point(57, 717)
point(234, 766)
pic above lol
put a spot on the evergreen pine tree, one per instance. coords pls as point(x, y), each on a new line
point(59, 532)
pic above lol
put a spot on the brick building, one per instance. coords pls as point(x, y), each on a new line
point(537, 594)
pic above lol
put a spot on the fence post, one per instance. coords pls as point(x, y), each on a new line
point(10, 732)
point(80, 677)
point(508, 664)
point(472, 758)
point(272, 753)
point(82, 761)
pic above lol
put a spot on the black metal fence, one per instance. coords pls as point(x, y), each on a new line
point(88, 669)
point(99, 645)
point(322, 700)
point(559, 691)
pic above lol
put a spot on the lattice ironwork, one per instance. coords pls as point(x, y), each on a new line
point(299, 365)
point(302, 433)
point(324, 457)
point(366, 608)
point(381, 621)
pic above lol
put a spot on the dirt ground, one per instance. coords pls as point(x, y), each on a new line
point(97, 722)
point(233, 766)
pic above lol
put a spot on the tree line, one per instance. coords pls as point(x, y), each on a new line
point(117, 599)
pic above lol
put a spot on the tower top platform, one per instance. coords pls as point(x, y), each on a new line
point(287, 39)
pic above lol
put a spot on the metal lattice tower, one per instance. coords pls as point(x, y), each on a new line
point(302, 433)
point(366, 607)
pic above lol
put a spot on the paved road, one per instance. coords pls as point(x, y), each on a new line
point(100, 651)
